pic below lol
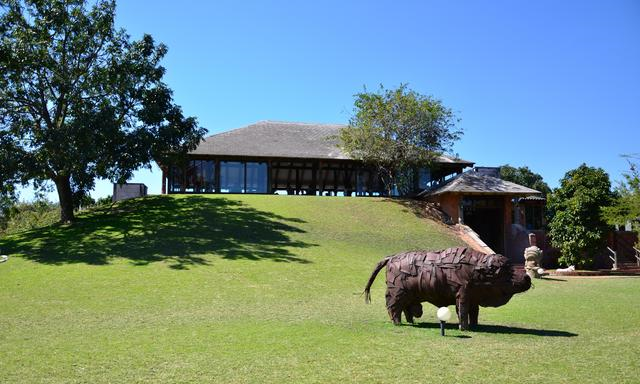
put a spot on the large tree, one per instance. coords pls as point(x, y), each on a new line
point(576, 226)
point(626, 206)
point(524, 176)
point(398, 129)
point(80, 100)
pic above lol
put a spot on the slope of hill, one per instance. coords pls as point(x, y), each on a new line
point(268, 289)
point(190, 230)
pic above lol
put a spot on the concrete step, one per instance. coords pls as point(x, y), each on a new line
point(628, 266)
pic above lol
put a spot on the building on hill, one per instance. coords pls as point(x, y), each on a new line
point(128, 191)
point(490, 206)
point(304, 159)
point(290, 158)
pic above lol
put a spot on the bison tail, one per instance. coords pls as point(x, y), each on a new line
point(367, 289)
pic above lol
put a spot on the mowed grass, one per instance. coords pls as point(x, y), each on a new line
point(266, 289)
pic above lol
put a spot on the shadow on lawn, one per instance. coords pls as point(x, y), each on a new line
point(503, 329)
point(161, 228)
point(421, 209)
point(552, 279)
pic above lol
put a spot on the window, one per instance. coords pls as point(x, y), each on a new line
point(362, 182)
point(192, 181)
point(533, 216)
point(231, 177)
point(207, 175)
point(424, 177)
point(175, 179)
point(256, 178)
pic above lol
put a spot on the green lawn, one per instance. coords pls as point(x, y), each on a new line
point(266, 289)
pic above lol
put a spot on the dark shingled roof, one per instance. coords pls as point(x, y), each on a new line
point(285, 140)
point(473, 182)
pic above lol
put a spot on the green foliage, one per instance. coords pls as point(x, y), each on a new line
point(136, 317)
point(576, 226)
point(524, 176)
point(25, 216)
point(104, 201)
point(6, 203)
point(626, 207)
point(397, 130)
point(80, 100)
point(84, 201)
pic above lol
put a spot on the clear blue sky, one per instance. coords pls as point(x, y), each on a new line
point(547, 84)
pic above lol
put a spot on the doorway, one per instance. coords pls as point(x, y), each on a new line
point(485, 215)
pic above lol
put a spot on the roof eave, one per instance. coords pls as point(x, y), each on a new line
point(494, 193)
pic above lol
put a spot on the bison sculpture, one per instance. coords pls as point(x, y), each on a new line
point(460, 276)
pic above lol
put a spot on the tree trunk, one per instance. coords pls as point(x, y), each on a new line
point(63, 186)
point(388, 181)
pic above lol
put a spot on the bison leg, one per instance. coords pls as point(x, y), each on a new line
point(474, 310)
point(462, 307)
point(408, 315)
point(413, 310)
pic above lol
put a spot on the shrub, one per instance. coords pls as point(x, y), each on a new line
point(576, 226)
point(25, 216)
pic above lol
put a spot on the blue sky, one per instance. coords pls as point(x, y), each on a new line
point(546, 84)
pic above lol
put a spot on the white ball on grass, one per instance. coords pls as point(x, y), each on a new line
point(444, 314)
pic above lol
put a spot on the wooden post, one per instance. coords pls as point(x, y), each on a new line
point(183, 187)
point(164, 180)
point(244, 179)
point(217, 176)
point(323, 173)
point(289, 181)
point(314, 178)
point(269, 179)
point(507, 213)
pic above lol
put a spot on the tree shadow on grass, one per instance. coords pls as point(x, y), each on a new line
point(181, 230)
point(502, 330)
point(553, 279)
point(422, 209)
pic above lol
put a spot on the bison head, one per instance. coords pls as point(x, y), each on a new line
point(497, 281)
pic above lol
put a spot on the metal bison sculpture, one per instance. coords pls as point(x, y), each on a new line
point(460, 276)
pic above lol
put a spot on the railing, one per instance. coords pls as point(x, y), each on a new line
point(637, 255)
point(614, 259)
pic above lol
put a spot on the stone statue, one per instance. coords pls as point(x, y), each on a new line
point(460, 276)
point(532, 258)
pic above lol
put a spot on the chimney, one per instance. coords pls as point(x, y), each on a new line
point(488, 171)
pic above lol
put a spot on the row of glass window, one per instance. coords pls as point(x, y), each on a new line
point(243, 177)
point(199, 176)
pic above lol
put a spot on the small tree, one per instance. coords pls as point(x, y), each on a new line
point(396, 130)
point(576, 226)
point(6, 203)
point(80, 100)
point(626, 207)
point(524, 176)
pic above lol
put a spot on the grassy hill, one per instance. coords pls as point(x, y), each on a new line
point(267, 289)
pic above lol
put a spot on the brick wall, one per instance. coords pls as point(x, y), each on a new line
point(450, 204)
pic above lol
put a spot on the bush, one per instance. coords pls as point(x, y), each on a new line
point(576, 226)
point(104, 201)
point(25, 216)
point(6, 202)
point(626, 207)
